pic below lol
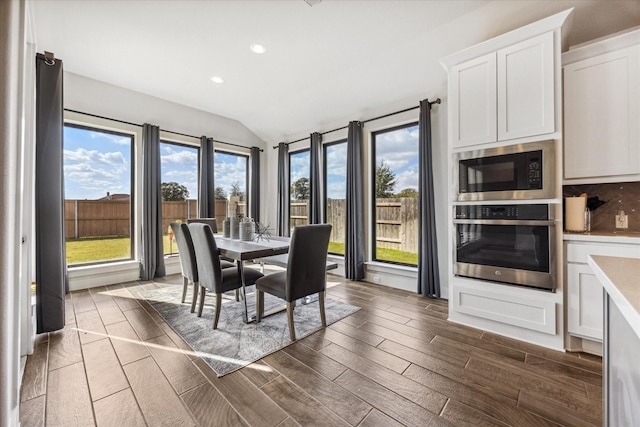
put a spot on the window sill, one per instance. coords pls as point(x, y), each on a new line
point(91, 276)
point(383, 267)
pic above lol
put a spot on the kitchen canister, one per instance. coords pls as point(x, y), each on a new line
point(574, 208)
point(246, 229)
point(235, 227)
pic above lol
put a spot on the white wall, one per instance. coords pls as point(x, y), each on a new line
point(389, 275)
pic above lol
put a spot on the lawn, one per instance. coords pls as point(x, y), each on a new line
point(382, 254)
point(80, 251)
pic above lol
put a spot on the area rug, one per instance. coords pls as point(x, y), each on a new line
point(236, 344)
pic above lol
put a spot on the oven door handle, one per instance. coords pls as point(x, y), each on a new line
point(548, 223)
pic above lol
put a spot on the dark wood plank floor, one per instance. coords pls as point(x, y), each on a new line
point(398, 361)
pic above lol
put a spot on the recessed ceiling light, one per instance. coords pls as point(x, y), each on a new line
point(257, 48)
point(217, 79)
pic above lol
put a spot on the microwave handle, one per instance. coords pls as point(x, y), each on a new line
point(549, 223)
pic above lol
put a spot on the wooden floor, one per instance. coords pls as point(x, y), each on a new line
point(395, 362)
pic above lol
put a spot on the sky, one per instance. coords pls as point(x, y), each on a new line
point(398, 149)
point(98, 162)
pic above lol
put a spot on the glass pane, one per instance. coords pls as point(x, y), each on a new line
point(335, 160)
point(97, 185)
point(299, 174)
point(396, 195)
point(179, 177)
point(230, 176)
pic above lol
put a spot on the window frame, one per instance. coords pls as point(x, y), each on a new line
point(372, 193)
point(246, 178)
point(324, 181)
point(88, 125)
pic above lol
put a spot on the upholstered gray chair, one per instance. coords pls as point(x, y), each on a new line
point(188, 263)
point(305, 273)
point(212, 277)
point(210, 221)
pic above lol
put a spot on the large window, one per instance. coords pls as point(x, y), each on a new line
point(335, 184)
point(98, 194)
point(179, 177)
point(299, 193)
point(395, 191)
point(231, 175)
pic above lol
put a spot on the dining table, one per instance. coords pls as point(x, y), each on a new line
point(241, 251)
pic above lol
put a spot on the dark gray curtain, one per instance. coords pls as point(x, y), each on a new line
point(428, 274)
point(152, 242)
point(206, 188)
point(254, 189)
point(315, 184)
point(51, 265)
point(354, 239)
point(283, 190)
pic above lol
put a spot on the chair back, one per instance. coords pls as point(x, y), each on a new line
point(307, 266)
point(185, 249)
point(208, 256)
point(209, 221)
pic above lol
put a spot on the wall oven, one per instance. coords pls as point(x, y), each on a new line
point(521, 171)
point(512, 244)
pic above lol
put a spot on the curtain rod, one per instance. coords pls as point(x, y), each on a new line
point(437, 101)
point(139, 125)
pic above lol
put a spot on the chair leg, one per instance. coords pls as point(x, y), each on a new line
point(218, 308)
point(203, 291)
point(259, 305)
point(185, 285)
point(237, 295)
point(196, 289)
point(292, 330)
point(323, 317)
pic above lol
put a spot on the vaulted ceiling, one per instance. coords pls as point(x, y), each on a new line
point(324, 63)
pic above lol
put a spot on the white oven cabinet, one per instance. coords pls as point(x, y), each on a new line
point(503, 95)
point(584, 291)
point(602, 111)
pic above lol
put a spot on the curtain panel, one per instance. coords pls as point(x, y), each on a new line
point(428, 274)
point(283, 190)
point(51, 265)
point(354, 239)
point(315, 184)
point(254, 189)
point(206, 186)
point(152, 262)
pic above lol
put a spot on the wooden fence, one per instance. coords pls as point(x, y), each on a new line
point(112, 218)
point(396, 221)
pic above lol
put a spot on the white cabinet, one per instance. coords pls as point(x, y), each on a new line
point(503, 95)
point(584, 291)
point(602, 114)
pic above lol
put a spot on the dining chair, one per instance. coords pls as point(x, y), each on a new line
point(210, 221)
point(188, 263)
point(212, 277)
point(305, 274)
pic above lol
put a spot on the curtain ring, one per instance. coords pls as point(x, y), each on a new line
point(49, 58)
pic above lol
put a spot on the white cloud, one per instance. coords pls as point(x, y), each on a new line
point(170, 155)
point(94, 157)
point(398, 148)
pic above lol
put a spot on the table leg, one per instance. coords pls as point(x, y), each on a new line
point(245, 314)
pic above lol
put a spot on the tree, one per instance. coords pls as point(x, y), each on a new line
point(220, 193)
point(174, 192)
point(235, 191)
point(385, 181)
point(408, 192)
point(300, 189)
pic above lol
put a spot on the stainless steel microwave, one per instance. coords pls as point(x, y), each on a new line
point(514, 172)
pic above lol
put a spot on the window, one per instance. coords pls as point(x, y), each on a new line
point(179, 177)
point(335, 184)
point(395, 201)
point(299, 193)
point(231, 175)
point(98, 194)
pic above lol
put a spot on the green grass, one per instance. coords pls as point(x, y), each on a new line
point(81, 251)
point(382, 254)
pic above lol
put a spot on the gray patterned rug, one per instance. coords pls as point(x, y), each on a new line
point(236, 344)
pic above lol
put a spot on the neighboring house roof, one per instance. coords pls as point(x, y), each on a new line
point(115, 197)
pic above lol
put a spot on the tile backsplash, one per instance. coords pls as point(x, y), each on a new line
point(619, 196)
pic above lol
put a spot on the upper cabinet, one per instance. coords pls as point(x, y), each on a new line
point(505, 88)
point(602, 111)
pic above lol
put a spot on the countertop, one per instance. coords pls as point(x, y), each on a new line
point(620, 277)
point(607, 236)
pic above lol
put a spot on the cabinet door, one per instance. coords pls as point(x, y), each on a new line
point(472, 89)
point(602, 115)
point(526, 88)
point(584, 299)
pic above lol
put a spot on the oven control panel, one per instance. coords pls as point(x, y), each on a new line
point(503, 212)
